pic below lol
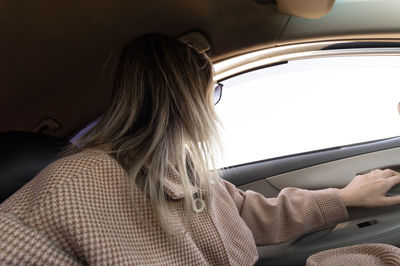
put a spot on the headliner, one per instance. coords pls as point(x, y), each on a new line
point(53, 51)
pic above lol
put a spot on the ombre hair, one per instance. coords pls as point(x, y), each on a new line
point(161, 112)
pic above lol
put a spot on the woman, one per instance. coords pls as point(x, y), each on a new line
point(136, 189)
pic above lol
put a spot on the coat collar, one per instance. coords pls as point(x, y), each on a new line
point(173, 186)
point(172, 182)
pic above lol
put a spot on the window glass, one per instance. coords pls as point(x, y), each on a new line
point(307, 105)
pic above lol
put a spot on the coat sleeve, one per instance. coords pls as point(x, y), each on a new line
point(292, 213)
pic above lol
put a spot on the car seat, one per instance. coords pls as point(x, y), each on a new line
point(23, 155)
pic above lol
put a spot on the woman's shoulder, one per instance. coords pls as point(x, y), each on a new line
point(80, 164)
point(82, 169)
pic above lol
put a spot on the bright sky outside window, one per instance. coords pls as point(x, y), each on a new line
point(308, 105)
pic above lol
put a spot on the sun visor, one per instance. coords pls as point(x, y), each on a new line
point(197, 40)
point(305, 8)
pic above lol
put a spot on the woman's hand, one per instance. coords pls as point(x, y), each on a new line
point(369, 190)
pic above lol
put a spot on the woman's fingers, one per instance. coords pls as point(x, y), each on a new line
point(393, 200)
point(388, 173)
point(382, 173)
point(394, 179)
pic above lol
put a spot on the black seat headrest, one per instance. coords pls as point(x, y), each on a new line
point(23, 155)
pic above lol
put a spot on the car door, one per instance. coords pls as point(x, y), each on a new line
point(326, 115)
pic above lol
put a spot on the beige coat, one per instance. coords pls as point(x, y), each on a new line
point(78, 210)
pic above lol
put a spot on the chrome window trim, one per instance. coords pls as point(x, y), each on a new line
point(269, 56)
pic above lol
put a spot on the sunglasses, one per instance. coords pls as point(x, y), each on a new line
point(218, 92)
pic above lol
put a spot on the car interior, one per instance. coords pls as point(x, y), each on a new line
point(55, 83)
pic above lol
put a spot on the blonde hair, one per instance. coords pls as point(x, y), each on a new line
point(161, 112)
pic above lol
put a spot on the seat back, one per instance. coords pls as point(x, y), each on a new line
point(22, 156)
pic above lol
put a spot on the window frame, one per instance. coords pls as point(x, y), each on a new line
point(279, 55)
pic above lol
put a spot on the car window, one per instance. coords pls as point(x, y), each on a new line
point(307, 105)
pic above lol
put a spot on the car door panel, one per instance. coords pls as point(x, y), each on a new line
point(337, 173)
point(382, 228)
point(318, 170)
point(250, 172)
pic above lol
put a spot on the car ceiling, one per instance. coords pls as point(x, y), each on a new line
point(53, 52)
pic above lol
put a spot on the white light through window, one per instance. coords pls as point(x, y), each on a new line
point(308, 105)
